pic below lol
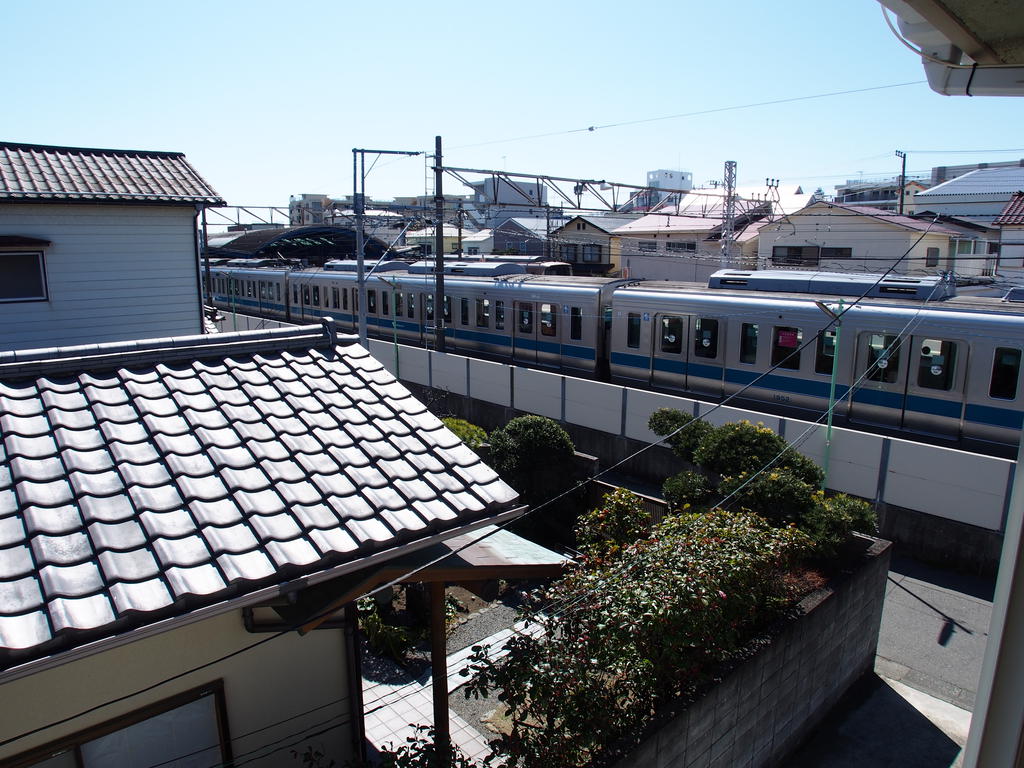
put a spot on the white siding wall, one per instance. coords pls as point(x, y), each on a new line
point(876, 244)
point(112, 272)
point(284, 677)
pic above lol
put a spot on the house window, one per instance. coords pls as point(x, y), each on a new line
point(795, 255)
point(681, 247)
point(836, 253)
point(648, 246)
point(567, 252)
point(473, 250)
point(931, 258)
point(592, 253)
point(186, 730)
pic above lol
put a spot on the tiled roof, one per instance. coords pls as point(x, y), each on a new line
point(142, 481)
point(907, 222)
point(36, 172)
point(654, 223)
point(981, 181)
point(1013, 213)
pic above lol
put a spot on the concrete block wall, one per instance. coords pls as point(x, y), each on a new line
point(769, 704)
point(940, 504)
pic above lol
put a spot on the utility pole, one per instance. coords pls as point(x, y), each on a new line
point(359, 210)
point(729, 214)
point(460, 214)
point(439, 344)
point(903, 179)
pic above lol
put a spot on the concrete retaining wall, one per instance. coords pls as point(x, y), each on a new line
point(769, 704)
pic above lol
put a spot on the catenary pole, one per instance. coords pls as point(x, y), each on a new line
point(439, 329)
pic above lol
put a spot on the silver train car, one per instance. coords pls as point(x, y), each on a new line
point(946, 369)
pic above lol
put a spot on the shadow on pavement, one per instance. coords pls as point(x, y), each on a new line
point(873, 726)
point(975, 586)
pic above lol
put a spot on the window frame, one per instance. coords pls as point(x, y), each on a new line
point(1016, 378)
point(41, 265)
point(74, 741)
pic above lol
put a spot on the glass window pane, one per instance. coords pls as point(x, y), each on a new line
point(316, 295)
point(464, 311)
point(671, 334)
point(525, 319)
point(447, 309)
point(371, 302)
point(483, 313)
point(499, 315)
point(705, 338)
point(825, 355)
point(429, 306)
point(883, 363)
point(1005, 372)
point(548, 320)
point(785, 347)
point(936, 364)
point(575, 323)
point(160, 739)
point(748, 343)
point(398, 303)
point(23, 276)
point(633, 331)
point(410, 307)
point(384, 303)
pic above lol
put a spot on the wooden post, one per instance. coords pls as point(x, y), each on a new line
point(439, 668)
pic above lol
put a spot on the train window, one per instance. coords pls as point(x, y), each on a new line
point(295, 294)
point(548, 320)
point(344, 298)
point(748, 343)
point(705, 337)
point(429, 305)
point(371, 302)
point(671, 334)
point(464, 311)
point(786, 347)
point(410, 306)
point(384, 304)
point(355, 300)
point(316, 295)
point(250, 288)
point(824, 359)
point(1005, 371)
point(633, 330)
point(398, 303)
point(575, 323)
point(305, 295)
point(263, 290)
point(336, 297)
point(447, 308)
point(278, 291)
point(499, 315)
point(936, 364)
point(483, 313)
point(525, 319)
point(883, 358)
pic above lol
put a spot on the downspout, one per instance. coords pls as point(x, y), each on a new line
point(199, 278)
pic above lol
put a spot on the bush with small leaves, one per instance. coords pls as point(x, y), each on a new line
point(617, 523)
point(685, 431)
point(421, 751)
point(687, 490)
point(740, 447)
point(776, 495)
point(470, 434)
point(534, 455)
point(831, 520)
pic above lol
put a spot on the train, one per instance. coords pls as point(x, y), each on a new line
point(911, 358)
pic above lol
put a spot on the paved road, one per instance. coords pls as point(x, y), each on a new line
point(914, 712)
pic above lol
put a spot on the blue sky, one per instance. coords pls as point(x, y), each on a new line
point(268, 99)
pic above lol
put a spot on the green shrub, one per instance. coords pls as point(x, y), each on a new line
point(617, 523)
point(527, 443)
point(831, 521)
point(644, 629)
point(687, 489)
point(382, 638)
point(741, 447)
point(420, 751)
point(777, 495)
point(686, 431)
point(470, 434)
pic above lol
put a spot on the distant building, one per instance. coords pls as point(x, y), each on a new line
point(524, 236)
point(586, 243)
point(98, 245)
point(659, 181)
point(499, 200)
point(980, 195)
point(1011, 232)
point(306, 209)
point(478, 243)
point(882, 193)
point(425, 239)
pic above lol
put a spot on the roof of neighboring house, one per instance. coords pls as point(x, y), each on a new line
point(1013, 213)
point(478, 237)
point(34, 172)
point(536, 227)
point(447, 230)
point(142, 481)
point(656, 223)
point(982, 181)
point(907, 222)
point(604, 223)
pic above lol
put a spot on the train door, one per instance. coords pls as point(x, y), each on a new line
point(668, 356)
point(879, 380)
point(524, 332)
point(706, 366)
point(935, 387)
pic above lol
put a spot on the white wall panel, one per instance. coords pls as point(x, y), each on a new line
point(538, 392)
point(449, 372)
point(593, 404)
point(490, 382)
